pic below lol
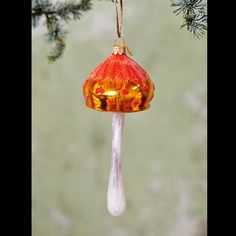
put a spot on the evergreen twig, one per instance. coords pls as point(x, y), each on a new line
point(55, 15)
point(194, 14)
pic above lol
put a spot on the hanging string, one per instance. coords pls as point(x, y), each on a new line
point(119, 17)
point(119, 21)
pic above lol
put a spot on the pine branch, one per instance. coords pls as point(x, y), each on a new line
point(55, 15)
point(194, 14)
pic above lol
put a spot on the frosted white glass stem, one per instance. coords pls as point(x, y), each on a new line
point(115, 196)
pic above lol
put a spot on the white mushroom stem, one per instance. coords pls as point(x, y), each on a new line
point(115, 196)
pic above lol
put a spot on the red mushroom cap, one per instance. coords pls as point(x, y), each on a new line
point(118, 84)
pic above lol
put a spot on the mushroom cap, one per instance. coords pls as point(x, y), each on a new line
point(118, 84)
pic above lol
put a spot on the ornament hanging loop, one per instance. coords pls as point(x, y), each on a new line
point(119, 17)
point(120, 47)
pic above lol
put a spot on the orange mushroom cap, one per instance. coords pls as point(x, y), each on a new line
point(118, 84)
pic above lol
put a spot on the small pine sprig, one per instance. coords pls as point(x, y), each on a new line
point(55, 15)
point(194, 14)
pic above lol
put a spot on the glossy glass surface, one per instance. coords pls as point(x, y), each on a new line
point(118, 85)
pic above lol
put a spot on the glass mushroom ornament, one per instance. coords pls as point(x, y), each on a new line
point(118, 85)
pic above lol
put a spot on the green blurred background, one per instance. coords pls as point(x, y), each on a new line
point(164, 148)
